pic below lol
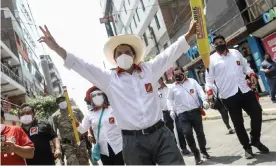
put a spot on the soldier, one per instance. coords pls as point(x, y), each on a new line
point(75, 155)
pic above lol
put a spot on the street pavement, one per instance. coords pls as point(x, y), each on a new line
point(268, 107)
point(226, 149)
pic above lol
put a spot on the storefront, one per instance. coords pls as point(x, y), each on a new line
point(263, 39)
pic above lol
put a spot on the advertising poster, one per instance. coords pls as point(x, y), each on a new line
point(270, 45)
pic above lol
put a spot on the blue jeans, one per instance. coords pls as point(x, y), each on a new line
point(272, 84)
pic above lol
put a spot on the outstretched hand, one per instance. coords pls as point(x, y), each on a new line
point(49, 40)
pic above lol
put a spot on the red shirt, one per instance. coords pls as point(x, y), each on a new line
point(19, 137)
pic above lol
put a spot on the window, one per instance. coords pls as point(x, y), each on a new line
point(130, 29)
point(145, 39)
point(157, 21)
point(137, 15)
point(124, 5)
point(142, 4)
point(134, 20)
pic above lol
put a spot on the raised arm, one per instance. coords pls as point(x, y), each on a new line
point(165, 59)
point(94, 74)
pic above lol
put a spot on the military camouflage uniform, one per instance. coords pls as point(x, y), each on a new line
point(75, 155)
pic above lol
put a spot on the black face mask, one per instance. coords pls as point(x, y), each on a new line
point(179, 77)
point(221, 48)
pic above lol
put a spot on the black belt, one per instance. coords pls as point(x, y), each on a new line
point(198, 109)
point(146, 131)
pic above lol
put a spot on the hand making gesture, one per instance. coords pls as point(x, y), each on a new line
point(50, 42)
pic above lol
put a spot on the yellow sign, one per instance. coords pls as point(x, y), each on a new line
point(71, 115)
point(201, 35)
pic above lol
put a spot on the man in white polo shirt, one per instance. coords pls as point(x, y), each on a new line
point(132, 92)
point(228, 68)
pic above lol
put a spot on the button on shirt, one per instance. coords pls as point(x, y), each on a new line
point(229, 72)
point(133, 97)
point(41, 133)
point(109, 131)
point(163, 93)
point(185, 97)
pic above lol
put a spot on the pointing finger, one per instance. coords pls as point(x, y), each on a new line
point(47, 30)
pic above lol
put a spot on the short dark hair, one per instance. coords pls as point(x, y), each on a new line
point(177, 68)
point(132, 49)
point(218, 37)
point(26, 105)
point(59, 98)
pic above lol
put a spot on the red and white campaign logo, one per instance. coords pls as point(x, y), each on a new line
point(33, 131)
point(111, 120)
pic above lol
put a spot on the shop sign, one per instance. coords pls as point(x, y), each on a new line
point(270, 45)
point(269, 15)
point(194, 50)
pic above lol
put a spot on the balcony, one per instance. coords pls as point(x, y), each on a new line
point(7, 54)
point(11, 84)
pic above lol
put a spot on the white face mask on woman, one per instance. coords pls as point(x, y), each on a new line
point(26, 119)
point(98, 100)
point(124, 61)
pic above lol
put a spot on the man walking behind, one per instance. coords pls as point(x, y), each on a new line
point(40, 133)
point(269, 68)
point(228, 69)
point(183, 97)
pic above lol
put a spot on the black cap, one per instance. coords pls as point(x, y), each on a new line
point(59, 98)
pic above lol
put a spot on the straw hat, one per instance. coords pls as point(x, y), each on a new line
point(133, 40)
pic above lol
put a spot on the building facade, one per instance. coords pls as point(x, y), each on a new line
point(52, 77)
point(248, 25)
point(21, 77)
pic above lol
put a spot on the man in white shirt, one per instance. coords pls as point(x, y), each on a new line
point(132, 92)
point(183, 98)
point(163, 93)
point(228, 68)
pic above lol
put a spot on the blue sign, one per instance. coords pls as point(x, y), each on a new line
point(270, 15)
point(194, 50)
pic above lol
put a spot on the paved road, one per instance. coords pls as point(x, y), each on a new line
point(225, 149)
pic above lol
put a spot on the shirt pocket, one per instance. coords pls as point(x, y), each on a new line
point(147, 87)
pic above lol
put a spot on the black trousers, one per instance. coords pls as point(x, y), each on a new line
point(158, 147)
point(223, 112)
point(272, 84)
point(181, 138)
point(247, 102)
point(190, 120)
point(112, 159)
point(169, 123)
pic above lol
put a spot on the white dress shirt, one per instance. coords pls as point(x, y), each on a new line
point(133, 97)
point(109, 132)
point(185, 97)
point(229, 73)
point(163, 93)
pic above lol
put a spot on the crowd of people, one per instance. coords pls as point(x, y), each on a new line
point(133, 113)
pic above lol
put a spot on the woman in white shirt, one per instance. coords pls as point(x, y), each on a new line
point(110, 137)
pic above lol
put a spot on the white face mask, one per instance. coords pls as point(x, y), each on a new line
point(26, 119)
point(2, 127)
point(124, 61)
point(98, 100)
point(63, 105)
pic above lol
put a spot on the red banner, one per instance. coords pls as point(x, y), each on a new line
point(270, 45)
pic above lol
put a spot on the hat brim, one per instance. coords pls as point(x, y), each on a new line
point(133, 40)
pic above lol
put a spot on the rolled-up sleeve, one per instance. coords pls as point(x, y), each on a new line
point(84, 125)
point(94, 74)
point(165, 59)
point(209, 79)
